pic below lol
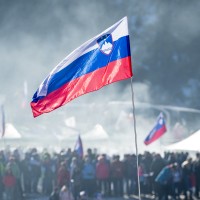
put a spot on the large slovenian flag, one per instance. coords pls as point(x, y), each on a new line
point(158, 130)
point(102, 60)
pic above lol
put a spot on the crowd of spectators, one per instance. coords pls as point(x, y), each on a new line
point(32, 172)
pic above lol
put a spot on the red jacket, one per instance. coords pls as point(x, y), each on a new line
point(102, 170)
point(117, 169)
point(63, 176)
point(9, 180)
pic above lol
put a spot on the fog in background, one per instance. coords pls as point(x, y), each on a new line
point(36, 35)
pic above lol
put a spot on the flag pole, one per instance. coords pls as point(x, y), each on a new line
point(2, 126)
point(136, 146)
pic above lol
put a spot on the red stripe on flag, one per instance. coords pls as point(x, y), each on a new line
point(157, 135)
point(113, 72)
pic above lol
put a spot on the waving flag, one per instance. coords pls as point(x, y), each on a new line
point(79, 147)
point(158, 130)
point(102, 60)
point(2, 121)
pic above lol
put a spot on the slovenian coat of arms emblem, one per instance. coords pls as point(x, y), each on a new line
point(105, 43)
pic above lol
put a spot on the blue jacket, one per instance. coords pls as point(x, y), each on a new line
point(164, 176)
point(88, 171)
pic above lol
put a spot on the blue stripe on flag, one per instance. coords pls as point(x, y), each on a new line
point(87, 63)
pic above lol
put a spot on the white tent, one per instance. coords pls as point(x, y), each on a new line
point(190, 143)
point(11, 132)
point(97, 133)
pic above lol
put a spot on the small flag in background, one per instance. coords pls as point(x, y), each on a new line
point(158, 130)
point(25, 95)
point(102, 60)
point(2, 121)
point(79, 147)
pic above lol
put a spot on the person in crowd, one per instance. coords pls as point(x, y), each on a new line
point(17, 156)
point(134, 178)
point(197, 174)
point(158, 163)
point(164, 182)
point(88, 177)
point(47, 174)
point(147, 159)
point(63, 175)
point(9, 181)
point(142, 176)
point(102, 175)
point(171, 158)
point(2, 171)
point(26, 172)
point(13, 165)
point(65, 193)
point(55, 194)
point(128, 170)
point(117, 175)
point(55, 163)
point(35, 166)
point(188, 178)
point(76, 177)
point(69, 155)
point(176, 180)
point(91, 155)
